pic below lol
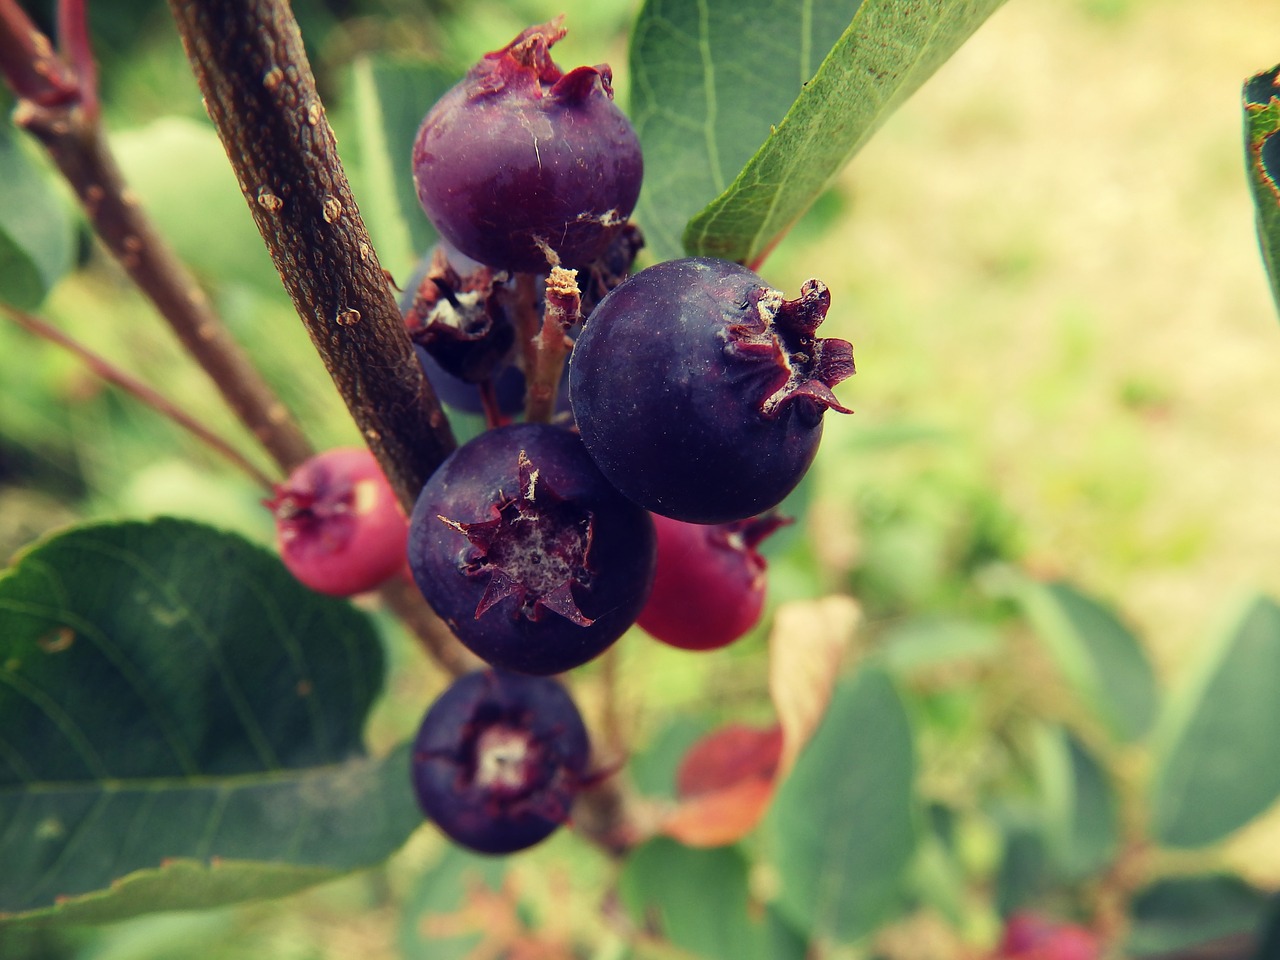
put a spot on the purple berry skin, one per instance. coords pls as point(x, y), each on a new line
point(530, 556)
point(520, 155)
point(498, 760)
point(699, 391)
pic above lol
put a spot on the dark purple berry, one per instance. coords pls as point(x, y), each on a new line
point(499, 759)
point(699, 391)
point(522, 165)
point(532, 558)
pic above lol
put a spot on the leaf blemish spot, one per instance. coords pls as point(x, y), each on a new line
point(57, 640)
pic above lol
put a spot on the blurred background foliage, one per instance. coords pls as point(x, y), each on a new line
point(1067, 352)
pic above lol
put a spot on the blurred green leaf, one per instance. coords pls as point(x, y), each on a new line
point(653, 768)
point(390, 98)
point(1024, 874)
point(436, 924)
point(699, 900)
point(1097, 654)
point(888, 50)
point(1182, 912)
point(708, 82)
point(1219, 762)
point(1262, 160)
point(180, 726)
point(930, 642)
point(1079, 803)
point(843, 821)
point(179, 170)
point(35, 227)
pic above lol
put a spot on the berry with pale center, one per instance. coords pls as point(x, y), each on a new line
point(498, 760)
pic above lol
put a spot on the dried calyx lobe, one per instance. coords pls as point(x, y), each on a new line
point(699, 391)
point(498, 760)
point(531, 557)
point(522, 165)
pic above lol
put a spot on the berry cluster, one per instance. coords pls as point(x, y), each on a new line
point(694, 405)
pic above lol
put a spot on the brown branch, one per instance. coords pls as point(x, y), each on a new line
point(250, 63)
point(79, 149)
point(139, 390)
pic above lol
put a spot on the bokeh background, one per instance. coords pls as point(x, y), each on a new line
point(1068, 362)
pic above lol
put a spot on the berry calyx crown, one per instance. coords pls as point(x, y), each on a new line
point(535, 547)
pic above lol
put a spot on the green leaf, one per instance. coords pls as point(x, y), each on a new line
point(180, 726)
point(888, 50)
point(390, 98)
point(708, 81)
point(1172, 915)
point(1079, 803)
point(35, 228)
point(699, 900)
point(1097, 654)
point(1262, 160)
point(436, 924)
point(1219, 757)
point(843, 821)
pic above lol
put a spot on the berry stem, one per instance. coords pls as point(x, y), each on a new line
point(259, 90)
point(563, 308)
point(156, 401)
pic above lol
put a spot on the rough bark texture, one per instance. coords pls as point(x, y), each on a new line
point(261, 95)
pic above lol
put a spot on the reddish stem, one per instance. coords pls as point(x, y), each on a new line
point(28, 62)
point(73, 38)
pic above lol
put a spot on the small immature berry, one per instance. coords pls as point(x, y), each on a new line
point(709, 584)
point(533, 560)
point(338, 524)
point(699, 391)
point(1032, 936)
point(522, 165)
point(498, 760)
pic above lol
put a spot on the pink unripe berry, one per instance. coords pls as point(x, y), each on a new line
point(709, 583)
point(339, 527)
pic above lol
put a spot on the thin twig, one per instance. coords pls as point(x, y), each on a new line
point(156, 401)
point(80, 152)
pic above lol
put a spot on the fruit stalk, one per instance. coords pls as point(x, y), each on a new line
point(552, 344)
point(259, 90)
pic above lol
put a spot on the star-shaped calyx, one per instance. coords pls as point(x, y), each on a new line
point(535, 547)
point(782, 355)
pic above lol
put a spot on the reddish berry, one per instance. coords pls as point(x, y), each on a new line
point(522, 165)
point(1030, 936)
point(526, 551)
point(338, 524)
point(499, 759)
point(699, 391)
point(709, 583)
